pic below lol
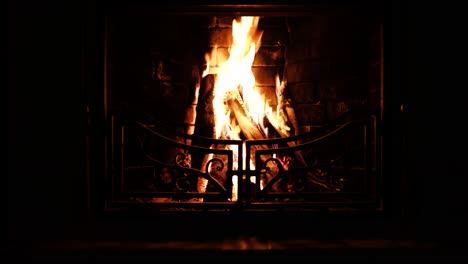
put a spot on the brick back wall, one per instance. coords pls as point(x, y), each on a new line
point(324, 58)
point(331, 63)
point(176, 56)
point(327, 66)
point(269, 59)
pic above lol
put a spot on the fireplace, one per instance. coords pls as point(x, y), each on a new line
point(246, 108)
point(355, 170)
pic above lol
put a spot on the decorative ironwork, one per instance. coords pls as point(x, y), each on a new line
point(330, 163)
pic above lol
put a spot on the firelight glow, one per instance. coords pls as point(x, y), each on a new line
point(236, 75)
point(235, 80)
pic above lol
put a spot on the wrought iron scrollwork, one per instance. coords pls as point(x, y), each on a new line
point(272, 170)
point(183, 183)
point(286, 169)
point(324, 175)
point(184, 176)
point(181, 163)
point(315, 176)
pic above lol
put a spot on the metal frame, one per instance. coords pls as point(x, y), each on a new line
point(298, 197)
point(115, 133)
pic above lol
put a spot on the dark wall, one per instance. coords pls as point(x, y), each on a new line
point(46, 116)
point(423, 68)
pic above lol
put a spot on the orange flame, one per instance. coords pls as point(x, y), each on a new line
point(235, 75)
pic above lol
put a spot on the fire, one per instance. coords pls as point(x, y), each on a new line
point(235, 82)
point(235, 76)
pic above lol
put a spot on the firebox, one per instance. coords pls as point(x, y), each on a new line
point(251, 107)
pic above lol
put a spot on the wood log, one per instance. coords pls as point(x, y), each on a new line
point(204, 121)
point(248, 128)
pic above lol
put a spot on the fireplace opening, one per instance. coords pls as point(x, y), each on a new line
point(243, 107)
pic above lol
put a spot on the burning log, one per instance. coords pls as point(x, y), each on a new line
point(228, 103)
point(251, 131)
point(248, 128)
point(204, 120)
point(240, 118)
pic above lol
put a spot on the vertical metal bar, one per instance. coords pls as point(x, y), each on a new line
point(88, 161)
point(112, 151)
point(370, 156)
point(122, 156)
point(366, 158)
point(230, 174)
point(379, 136)
point(241, 191)
point(87, 121)
point(106, 48)
point(106, 125)
point(381, 71)
point(373, 165)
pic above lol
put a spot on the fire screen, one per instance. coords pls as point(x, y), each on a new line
point(243, 107)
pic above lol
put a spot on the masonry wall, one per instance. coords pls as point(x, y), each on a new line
point(331, 63)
